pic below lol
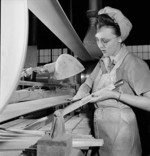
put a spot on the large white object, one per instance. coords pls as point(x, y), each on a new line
point(65, 66)
point(14, 36)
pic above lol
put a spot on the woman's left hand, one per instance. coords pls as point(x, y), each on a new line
point(103, 95)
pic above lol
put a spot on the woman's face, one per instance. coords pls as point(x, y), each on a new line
point(107, 41)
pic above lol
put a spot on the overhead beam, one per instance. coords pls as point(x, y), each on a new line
point(52, 15)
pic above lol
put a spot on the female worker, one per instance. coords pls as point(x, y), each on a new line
point(114, 119)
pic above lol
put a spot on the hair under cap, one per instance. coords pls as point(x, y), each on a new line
point(123, 22)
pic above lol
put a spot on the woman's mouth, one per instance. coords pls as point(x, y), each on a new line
point(103, 51)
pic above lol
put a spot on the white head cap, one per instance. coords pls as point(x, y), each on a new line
point(124, 23)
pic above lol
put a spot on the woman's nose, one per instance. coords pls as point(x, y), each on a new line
point(100, 44)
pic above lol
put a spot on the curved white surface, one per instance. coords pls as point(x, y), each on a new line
point(14, 37)
point(53, 16)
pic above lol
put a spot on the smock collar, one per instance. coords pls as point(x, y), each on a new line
point(123, 51)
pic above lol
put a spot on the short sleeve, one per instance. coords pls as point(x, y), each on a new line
point(138, 75)
point(89, 81)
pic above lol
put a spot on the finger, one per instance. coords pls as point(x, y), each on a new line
point(93, 99)
point(94, 95)
point(69, 99)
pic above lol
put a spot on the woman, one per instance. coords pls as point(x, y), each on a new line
point(114, 119)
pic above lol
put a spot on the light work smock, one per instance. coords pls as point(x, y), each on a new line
point(114, 121)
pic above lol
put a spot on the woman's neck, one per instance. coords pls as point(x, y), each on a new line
point(117, 50)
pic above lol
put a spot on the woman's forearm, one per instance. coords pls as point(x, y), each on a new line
point(142, 102)
point(83, 91)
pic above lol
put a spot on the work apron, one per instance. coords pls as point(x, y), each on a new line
point(115, 122)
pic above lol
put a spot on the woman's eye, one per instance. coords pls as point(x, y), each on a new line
point(105, 41)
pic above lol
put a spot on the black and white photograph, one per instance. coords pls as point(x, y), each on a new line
point(75, 78)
